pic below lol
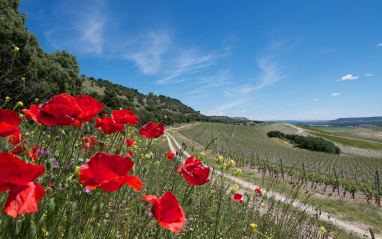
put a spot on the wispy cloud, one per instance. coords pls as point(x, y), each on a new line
point(206, 82)
point(348, 77)
point(335, 94)
point(315, 99)
point(368, 74)
point(226, 106)
point(380, 44)
point(149, 56)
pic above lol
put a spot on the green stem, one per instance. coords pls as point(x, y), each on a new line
point(144, 226)
point(87, 214)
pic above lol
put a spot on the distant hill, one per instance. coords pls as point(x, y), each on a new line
point(357, 121)
point(227, 119)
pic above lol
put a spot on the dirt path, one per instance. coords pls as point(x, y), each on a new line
point(351, 227)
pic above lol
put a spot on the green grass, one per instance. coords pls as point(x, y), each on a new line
point(350, 142)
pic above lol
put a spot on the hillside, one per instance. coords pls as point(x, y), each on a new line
point(47, 74)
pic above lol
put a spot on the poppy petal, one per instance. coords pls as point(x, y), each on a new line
point(89, 106)
point(116, 183)
point(125, 117)
point(16, 171)
point(23, 198)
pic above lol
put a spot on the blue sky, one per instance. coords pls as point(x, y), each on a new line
point(264, 60)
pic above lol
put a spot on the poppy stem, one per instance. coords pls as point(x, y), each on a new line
point(188, 194)
point(144, 226)
point(87, 214)
point(74, 141)
point(111, 147)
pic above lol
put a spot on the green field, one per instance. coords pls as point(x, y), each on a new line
point(368, 133)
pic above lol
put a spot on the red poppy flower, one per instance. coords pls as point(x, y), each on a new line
point(32, 153)
point(18, 176)
point(108, 125)
point(170, 155)
point(258, 190)
point(130, 153)
point(124, 117)
point(89, 107)
point(237, 197)
point(9, 121)
point(59, 110)
point(89, 143)
point(167, 210)
point(129, 142)
point(108, 172)
point(18, 141)
point(195, 172)
point(151, 130)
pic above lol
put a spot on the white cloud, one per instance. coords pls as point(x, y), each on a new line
point(380, 44)
point(348, 77)
point(368, 74)
point(335, 94)
point(149, 57)
point(315, 99)
point(223, 107)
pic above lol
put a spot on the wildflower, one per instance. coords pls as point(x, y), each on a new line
point(156, 93)
point(234, 189)
point(238, 172)
point(124, 117)
point(18, 177)
point(165, 117)
point(258, 190)
point(108, 172)
point(36, 99)
point(7, 99)
point(156, 163)
point(74, 203)
point(212, 191)
point(33, 153)
point(16, 49)
point(195, 172)
point(237, 197)
point(255, 170)
point(129, 142)
point(230, 163)
point(23, 78)
point(262, 205)
point(151, 130)
point(164, 140)
point(170, 155)
point(108, 125)
point(130, 153)
point(253, 225)
point(149, 215)
point(220, 160)
point(322, 229)
point(167, 210)
point(64, 109)
point(88, 143)
point(26, 134)
point(202, 154)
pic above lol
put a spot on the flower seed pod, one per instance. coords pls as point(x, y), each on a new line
point(87, 130)
point(49, 165)
point(51, 206)
point(32, 229)
point(72, 167)
point(87, 145)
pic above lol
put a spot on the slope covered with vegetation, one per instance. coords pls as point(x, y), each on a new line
point(33, 73)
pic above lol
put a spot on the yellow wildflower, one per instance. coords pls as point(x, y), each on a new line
point(20, 103)
point(238, 172)
point(26, 134)
point(165, 117)
point(220, 160)
point(16, 49)
point(322, 229)
point(164, 140)
point(7, 99)
point(253, 225)
point(36, 99)
point(120, 108)
point(23, 78)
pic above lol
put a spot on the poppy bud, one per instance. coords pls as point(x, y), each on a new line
point(87, 145)
point(32, 229)
point(49, 164)
point(99, 209)
point(101, 144)
point(51, 205)
point(87, 130)
point(145, 170)
point(72, 167)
